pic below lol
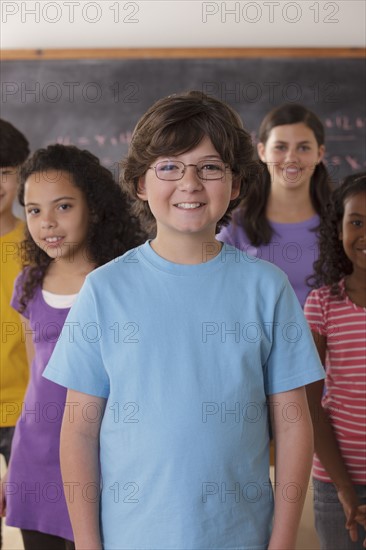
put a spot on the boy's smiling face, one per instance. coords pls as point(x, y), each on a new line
point(189, 206)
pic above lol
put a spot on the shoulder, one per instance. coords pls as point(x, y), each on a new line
point(243, 259)
point(324, 296)
point(317, 308)
point(320, 293)
point(253, 271)
point(16, 235)
point(317, 298)
point(21, 278)
point(19, 285)
point(119, 267)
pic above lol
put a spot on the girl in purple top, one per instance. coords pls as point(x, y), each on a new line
point(76, 220)
point(278, 218)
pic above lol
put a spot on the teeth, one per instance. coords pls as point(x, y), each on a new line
point(188, 205)
point(53, 239)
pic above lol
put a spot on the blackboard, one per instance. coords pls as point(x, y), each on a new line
point(95, 103)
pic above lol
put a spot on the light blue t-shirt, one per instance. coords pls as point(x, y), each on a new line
point(185, 356)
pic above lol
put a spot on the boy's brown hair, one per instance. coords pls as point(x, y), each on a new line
point(176, 124)
point(14, 147)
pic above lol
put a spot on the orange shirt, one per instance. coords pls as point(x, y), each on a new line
point(13, 360)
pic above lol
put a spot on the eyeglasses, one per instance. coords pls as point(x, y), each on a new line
point(174, 170)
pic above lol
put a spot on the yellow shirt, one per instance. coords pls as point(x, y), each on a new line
point(13, 360)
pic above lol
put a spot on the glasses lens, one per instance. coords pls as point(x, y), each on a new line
point(169, 170)
point(211, 169)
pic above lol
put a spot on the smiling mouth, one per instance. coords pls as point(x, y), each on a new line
point(53, 240)
point(292, 170)
point(189, 205)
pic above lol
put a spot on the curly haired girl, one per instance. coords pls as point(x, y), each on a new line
point(336, 314)
point(77, 219)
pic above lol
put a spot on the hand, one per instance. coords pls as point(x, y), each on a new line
point(354, 512)
point(361, 518)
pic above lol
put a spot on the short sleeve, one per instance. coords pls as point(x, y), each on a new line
point(293, 360)
point(314, 312)
point(17, 293)
point(76, 362)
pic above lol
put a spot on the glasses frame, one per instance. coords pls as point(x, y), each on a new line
point(185, 166)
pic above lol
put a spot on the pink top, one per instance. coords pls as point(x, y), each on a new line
point(343, 323)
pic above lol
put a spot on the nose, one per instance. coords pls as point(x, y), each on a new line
point(47, 223)
point(190, 180)
point(291, 155)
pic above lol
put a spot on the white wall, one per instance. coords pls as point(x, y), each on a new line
point(181, 23)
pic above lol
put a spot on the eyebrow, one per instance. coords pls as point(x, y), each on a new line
point(357, 214)
point(213, 156)
point(52, 202)
point(298, 143)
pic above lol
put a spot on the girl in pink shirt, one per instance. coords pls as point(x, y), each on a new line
point(336, 313)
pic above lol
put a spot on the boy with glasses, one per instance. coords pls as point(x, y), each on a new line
point(178, 349)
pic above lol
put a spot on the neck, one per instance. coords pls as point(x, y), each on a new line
point(355, 285)
point(68, 267)
point(357, 281)
point(187, 249)
point(289, 205)
point(7, 222)
point(65, 276)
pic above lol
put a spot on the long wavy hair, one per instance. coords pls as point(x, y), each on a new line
point(252, 211)
point(112, 231)
point(333, 264)
point(177, 124)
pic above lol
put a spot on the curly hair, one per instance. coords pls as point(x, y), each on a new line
point(252, 211)
point(176, 124)
point(112, 231)
point(14, 147)
point(333, 264)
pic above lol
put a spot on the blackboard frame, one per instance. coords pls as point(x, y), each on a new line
point(170, 53)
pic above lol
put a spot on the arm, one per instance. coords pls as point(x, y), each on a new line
point(326, 446)
point(293, 458)
point(79, 454)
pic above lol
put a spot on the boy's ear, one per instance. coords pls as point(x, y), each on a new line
point(141, 189)
point(260, 150)
point(235, 188)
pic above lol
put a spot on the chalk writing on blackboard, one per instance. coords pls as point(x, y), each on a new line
point(95, 103)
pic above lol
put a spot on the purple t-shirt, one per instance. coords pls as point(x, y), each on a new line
point(293, 248)
point(35, 492)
